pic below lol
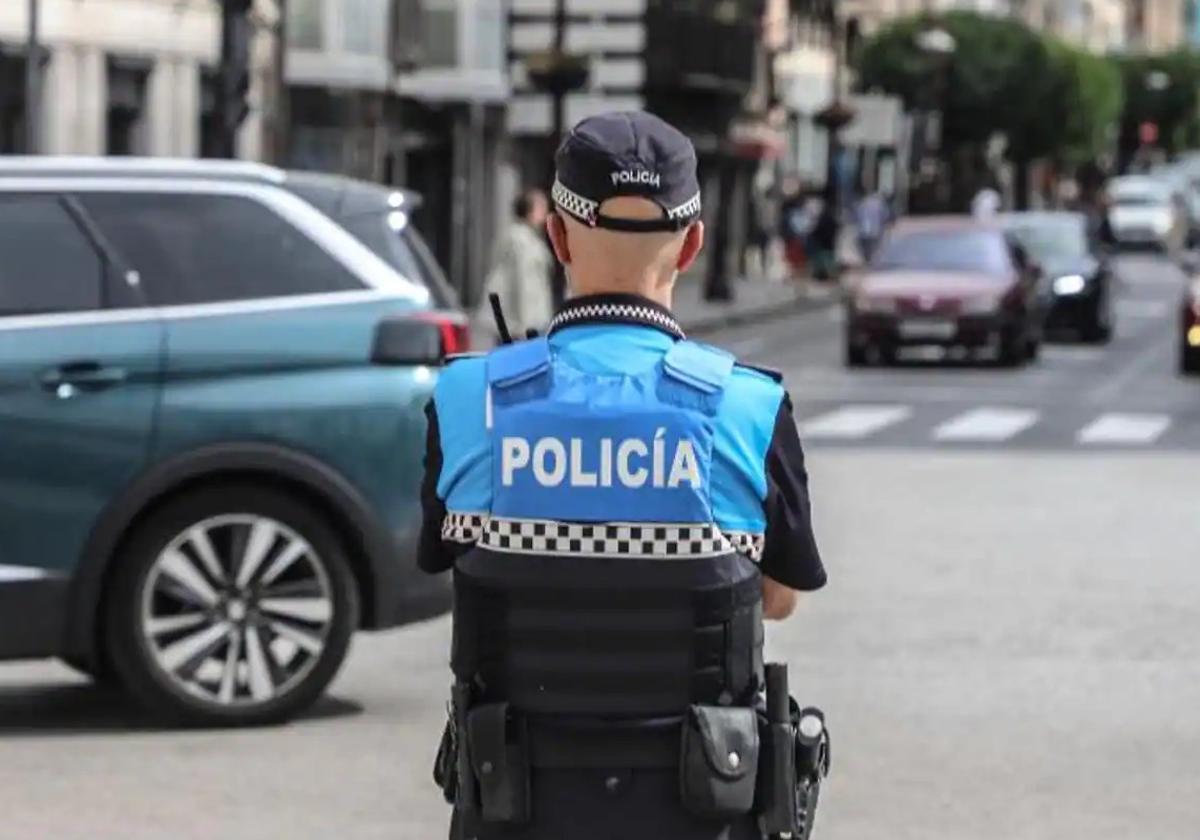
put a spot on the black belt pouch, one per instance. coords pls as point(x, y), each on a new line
point(499, 749)
point(719, 762)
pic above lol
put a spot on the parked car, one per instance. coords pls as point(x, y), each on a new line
point(211, 405)
point(1186, 190)
point(1145, 212)
point(950, 282)
point(1077, 283)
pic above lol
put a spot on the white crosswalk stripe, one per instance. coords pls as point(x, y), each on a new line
point(854, 421)
point(986, 425)
point(1125, 429)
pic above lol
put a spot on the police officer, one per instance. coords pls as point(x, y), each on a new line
point(621, 507)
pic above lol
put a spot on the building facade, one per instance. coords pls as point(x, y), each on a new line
point(129, 77)
point(411, 93)
point(1157, 25)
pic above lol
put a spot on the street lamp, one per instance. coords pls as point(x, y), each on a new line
point(939, 46)
point(836, 115)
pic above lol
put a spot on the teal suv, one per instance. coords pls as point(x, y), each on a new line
point(212, 378)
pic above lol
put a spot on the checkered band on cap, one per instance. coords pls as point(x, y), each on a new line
point(581, 208)
point(616, 312)
point(687, 210)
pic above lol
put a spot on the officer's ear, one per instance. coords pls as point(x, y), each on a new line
point(556, 228)
point(693, 244)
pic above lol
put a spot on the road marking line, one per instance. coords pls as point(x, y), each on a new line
point(1125, 428)
point(1150, 309)
point(988, 425)
point(854, 421)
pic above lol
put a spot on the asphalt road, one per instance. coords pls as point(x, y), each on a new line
point(1124, 395)
point(1007, 648)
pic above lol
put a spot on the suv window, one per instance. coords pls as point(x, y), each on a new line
point(47, 264)
point(206, 248)
point(404, 251)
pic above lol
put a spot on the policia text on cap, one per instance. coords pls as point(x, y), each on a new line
point(620, 507)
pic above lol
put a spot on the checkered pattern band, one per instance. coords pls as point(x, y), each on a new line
point(581, 208)
point(643, 540)
point(463, 527)
point(746, 543)
point(637, 540)
point(687, 210)
point(616, 312)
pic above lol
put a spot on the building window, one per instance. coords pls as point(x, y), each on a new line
point(305, 24)
point(364, 24)
point(125, 128)
point(440, 27)
point(490, 35)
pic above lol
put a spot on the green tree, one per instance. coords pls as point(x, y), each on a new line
point(1087, 99)
point(1161, 89)
point(996, 80)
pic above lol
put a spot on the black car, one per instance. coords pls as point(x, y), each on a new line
point(1078, 282)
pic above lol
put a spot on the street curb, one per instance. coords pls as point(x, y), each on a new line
point(757, 314)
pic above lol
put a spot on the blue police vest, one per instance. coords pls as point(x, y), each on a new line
point(615, 518)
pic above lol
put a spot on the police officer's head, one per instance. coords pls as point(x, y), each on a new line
point(627, 204)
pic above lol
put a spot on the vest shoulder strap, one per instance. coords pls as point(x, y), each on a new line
point(701, 367)
point(515, 364)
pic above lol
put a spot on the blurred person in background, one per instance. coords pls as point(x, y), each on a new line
point(522, 269)
point(872, 215)
point(987, 202)
point(823, 241)
point(795, 223)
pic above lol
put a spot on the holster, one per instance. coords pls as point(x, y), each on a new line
point(498, 745)
point(719, 761)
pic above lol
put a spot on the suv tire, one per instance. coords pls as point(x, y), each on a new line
point(232, 605)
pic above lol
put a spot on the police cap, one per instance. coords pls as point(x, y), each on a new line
point(630, 153)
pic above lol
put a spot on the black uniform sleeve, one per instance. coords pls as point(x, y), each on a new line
point(790, 554)
point(433, 554)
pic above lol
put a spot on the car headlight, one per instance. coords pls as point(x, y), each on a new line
point(980, 305)
point(874, 305)
point(1162, 224)
point(1069, 284)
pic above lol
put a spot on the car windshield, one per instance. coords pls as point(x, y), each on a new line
point(1052, 238)
point(1140, 193)
point(943, 250)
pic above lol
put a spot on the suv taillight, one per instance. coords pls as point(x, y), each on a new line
point(424, 338)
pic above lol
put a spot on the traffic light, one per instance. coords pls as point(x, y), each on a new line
point(236, 36)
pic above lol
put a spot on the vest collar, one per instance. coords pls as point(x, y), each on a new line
point(615, 308)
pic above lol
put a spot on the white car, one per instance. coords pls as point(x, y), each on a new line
point(1145, 212)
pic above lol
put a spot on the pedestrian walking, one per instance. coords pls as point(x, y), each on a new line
point(522, 268)
point(796, 219)
point(621, 508)
point(872, 215)
point(987, 203)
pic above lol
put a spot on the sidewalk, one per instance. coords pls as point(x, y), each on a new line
point(758, 298)
point(754, 300)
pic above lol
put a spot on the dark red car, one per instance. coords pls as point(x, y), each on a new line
point(1189, 335)
point(949, 282)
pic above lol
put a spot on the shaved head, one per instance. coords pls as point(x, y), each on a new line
point(598, 260)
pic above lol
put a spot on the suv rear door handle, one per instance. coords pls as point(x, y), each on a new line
point(66, 379)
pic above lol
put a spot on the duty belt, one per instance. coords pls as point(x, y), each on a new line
point(560, 743)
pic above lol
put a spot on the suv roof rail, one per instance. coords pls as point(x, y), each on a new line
point(18, 165)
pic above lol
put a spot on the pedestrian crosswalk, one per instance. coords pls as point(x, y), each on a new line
point(897, 424)
point(986, 425)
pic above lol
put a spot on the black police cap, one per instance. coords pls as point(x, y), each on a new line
point(627, 154)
